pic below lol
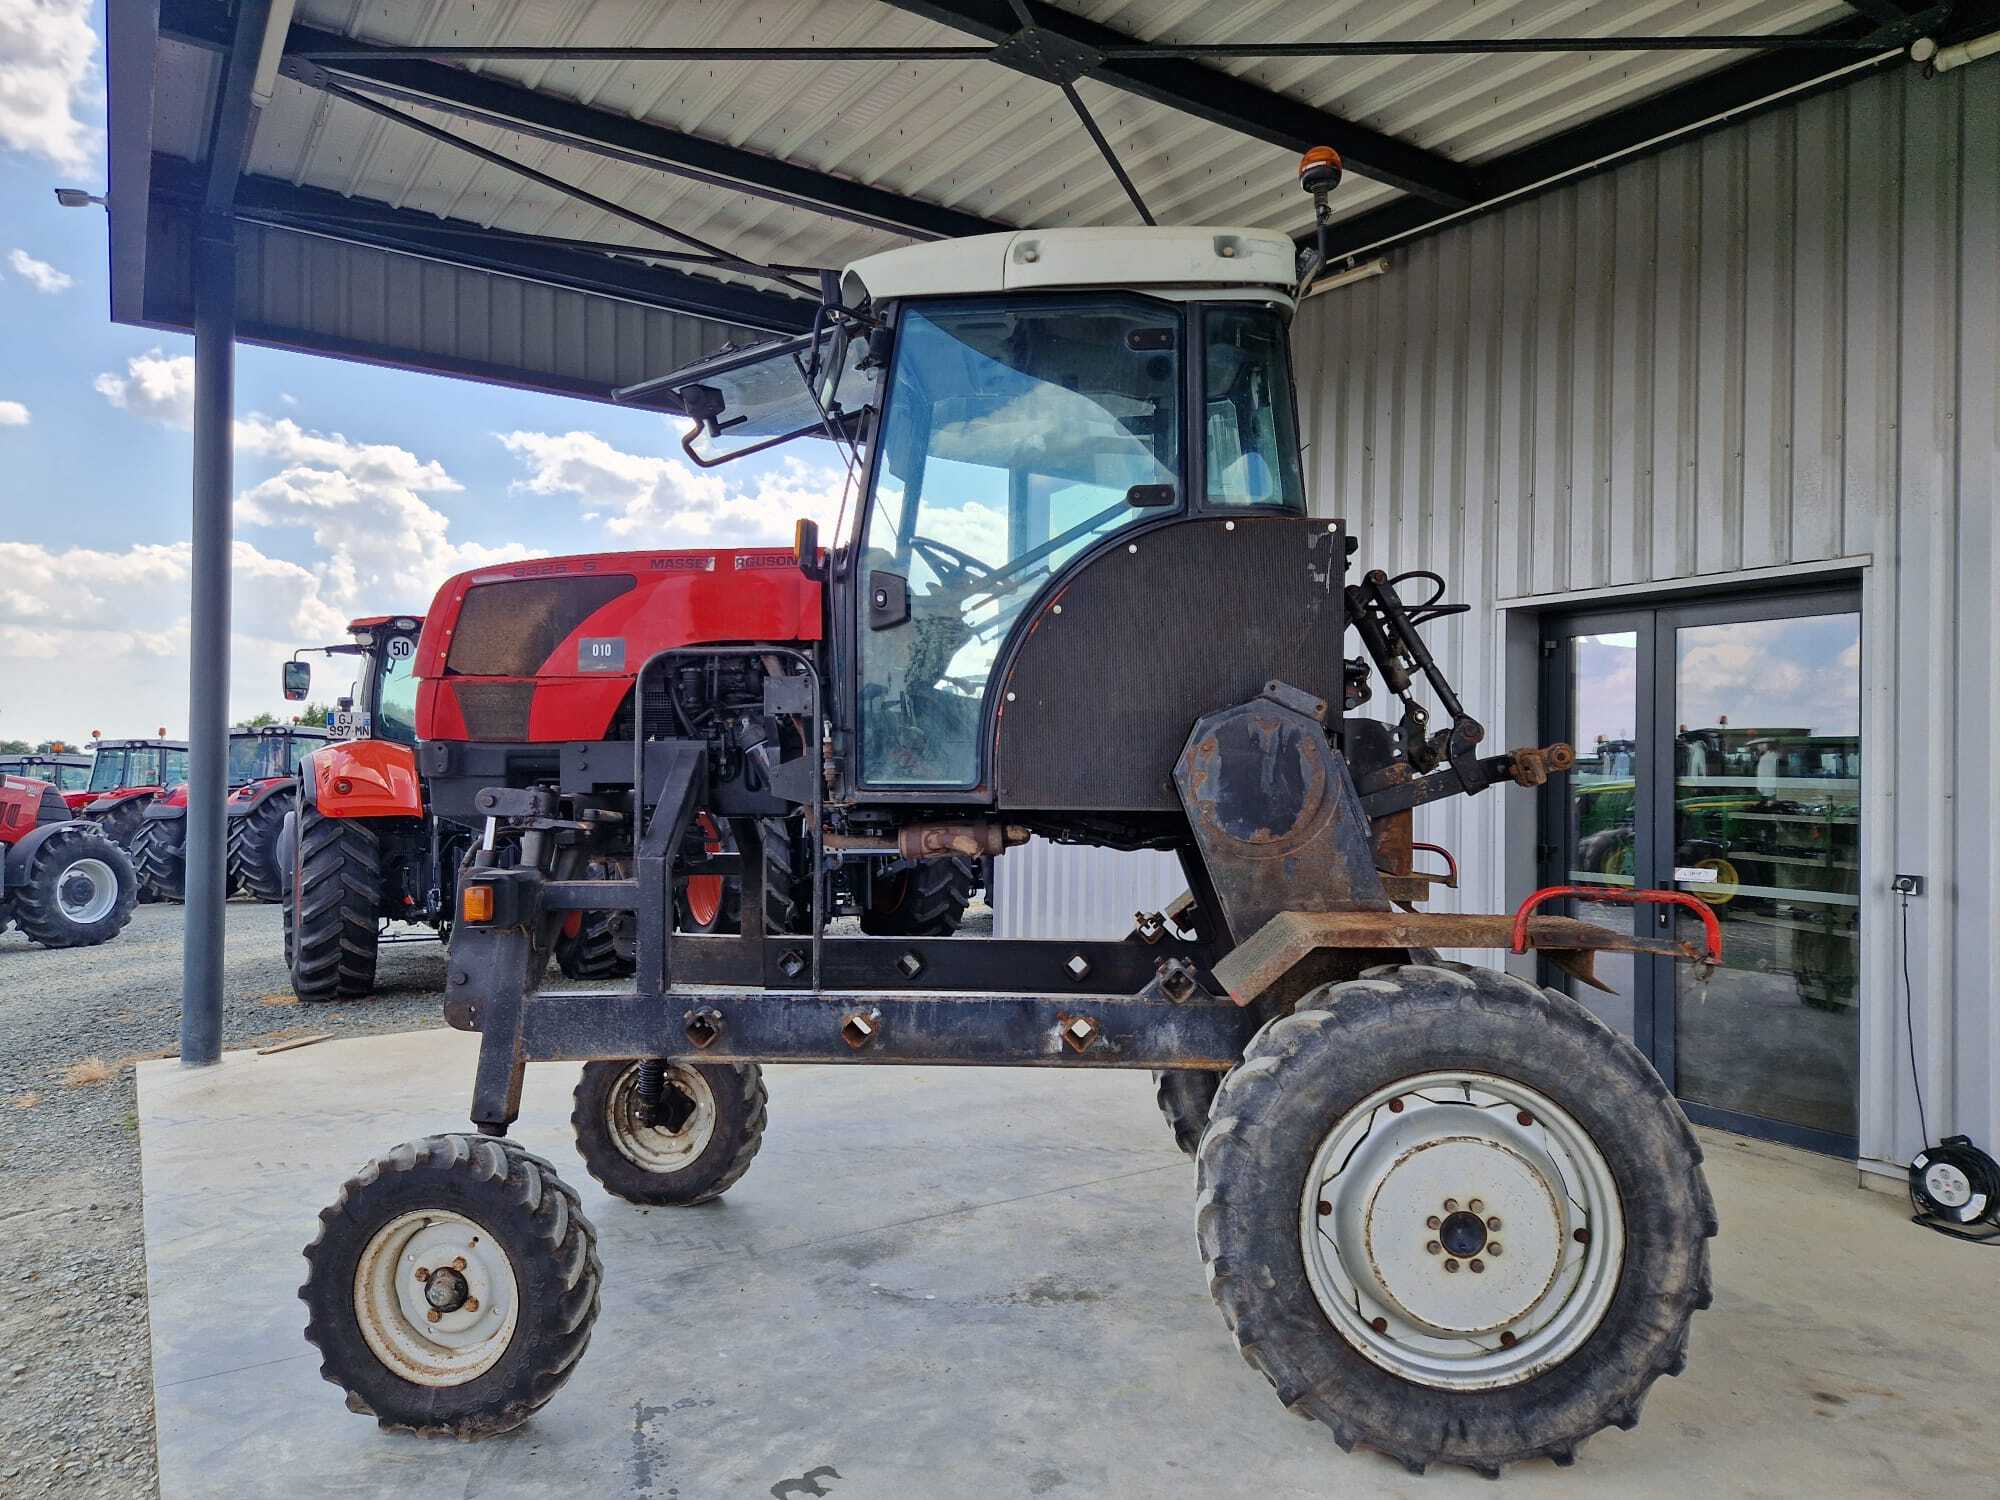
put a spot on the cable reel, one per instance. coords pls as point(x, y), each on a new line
point(1954, 1186)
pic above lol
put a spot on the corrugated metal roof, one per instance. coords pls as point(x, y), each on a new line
point(972, 135)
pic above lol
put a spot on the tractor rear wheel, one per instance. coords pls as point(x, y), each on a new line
point(452, 1286)
point(253, 851)
point(1186, 1095)
point(1454, 1217)
point(80, 890)
point(690, 1147)
point(926, 898)
point(159, 858)
point(121, 825)
point(333, 923)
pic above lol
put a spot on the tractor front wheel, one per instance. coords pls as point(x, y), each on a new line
point(80, 890)
point(683, 1136)
point(253, 851)
point(1186, 1096)
point(452, 1287)
point(1454, 1217)
point(332, 918)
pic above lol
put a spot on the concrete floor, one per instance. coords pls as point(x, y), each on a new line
point(976, 1282)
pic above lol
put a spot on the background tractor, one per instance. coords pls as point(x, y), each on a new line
point(66, 770)
point(361, 846)
point(263, 764)
point(1446, 1212)
point(125, 777)
point(62, 881)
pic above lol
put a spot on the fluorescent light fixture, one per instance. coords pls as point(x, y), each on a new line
point(1359, 271)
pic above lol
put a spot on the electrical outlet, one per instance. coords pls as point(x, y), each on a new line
point(1907, 885)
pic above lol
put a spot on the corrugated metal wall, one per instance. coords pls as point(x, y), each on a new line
point(1777, 346)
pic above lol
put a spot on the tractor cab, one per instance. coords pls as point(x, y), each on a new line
point(270, 752)
point(64, 770)
point(381, 701)
point(125, 767)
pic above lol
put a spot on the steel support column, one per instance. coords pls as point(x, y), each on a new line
point(208, 645)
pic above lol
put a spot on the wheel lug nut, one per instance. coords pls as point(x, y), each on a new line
point(1432, 1222)
point(459, 1264)
point(1494, 1222)
point(1476, 1206)
point(472, 1304)
point(1451, 1205)
point(423, 1273)
point(1477, 1266)
point(1433, 1247)
point(1492, 1247)
point(433, 1315)
point(1451, 1265)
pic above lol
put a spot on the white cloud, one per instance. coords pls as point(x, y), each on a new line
point(49, 86)
point(155, 385)
point(665, 502)
point(99, 640)
point(13, 414)
point(385, 546)
point(39, 274)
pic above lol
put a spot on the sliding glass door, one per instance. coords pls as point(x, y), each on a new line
point(1719, 753)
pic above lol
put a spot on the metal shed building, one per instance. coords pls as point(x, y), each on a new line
point(1670, 340)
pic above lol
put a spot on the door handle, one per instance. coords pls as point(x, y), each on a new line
point(888, 599)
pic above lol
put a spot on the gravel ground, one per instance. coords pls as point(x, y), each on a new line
point(76, 1389)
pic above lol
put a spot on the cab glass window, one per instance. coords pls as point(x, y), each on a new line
point(1015, 438)
point(107, 770)
point(396, 702)
point(176, 767)
point(1250, 428)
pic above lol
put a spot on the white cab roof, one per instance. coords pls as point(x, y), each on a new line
point(1140, 258)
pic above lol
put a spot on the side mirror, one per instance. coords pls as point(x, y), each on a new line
point(298, 678)
point(805, 546)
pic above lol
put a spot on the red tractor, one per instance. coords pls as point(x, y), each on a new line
point(62, 768)
point(360, 846)
point(62, 881)
point(263, 765)
point(125, 777)
point(1446, 1212)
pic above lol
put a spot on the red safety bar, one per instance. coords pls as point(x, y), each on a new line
point(1450, 881)
point(1622, 896)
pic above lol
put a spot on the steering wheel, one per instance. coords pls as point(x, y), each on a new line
point(951, 565)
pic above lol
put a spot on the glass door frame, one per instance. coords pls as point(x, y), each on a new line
point(1655, 997)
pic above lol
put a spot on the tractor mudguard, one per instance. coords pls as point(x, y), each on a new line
point(247, 799)
point(103, 802)
point(168, 806)
point(21, 855)
point(363, 779)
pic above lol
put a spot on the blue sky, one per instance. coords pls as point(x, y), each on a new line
point(359, 489)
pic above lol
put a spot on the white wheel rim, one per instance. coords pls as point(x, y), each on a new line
point(86, 905)
point(1537, 1259)
point(435, 1261)
point(654, 1148)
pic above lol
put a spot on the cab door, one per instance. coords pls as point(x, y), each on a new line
point(1017, 436)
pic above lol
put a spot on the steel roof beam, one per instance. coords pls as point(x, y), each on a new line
point(600, 132)
point(235, 111)
point(330, 215)
point(1212, 95)
point(1725, 97)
